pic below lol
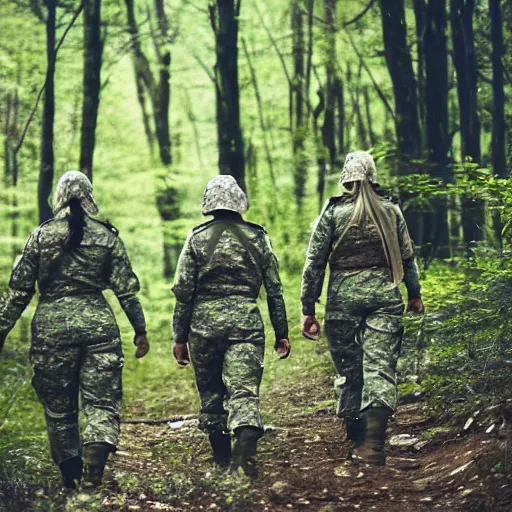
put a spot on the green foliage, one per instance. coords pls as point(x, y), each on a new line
point(470, 351)
point(431, 433)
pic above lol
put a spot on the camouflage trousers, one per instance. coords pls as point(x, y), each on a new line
point(228, 376)
point(62, 374)
point(364, 333)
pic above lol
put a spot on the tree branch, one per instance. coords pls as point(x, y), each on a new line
point(57, 48)
point(486, 79)
point(380, 93)
point(361, 14)
point(260, 115)
point(211, 10)
point(206, 69)
point(196, 7)
point(274, 44)
point(161, 421)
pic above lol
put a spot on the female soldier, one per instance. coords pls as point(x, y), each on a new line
point(219, 276)
point(76, 348)
point(365, 240)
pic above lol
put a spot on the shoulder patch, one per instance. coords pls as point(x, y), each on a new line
point(108, 225)
point(256, 226)
point(202, 227)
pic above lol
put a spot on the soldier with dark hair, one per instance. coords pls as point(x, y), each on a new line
point(221, 270)
point(365, 240)
point(76, 345)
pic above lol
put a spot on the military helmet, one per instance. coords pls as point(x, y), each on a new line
point(359, 166)
point(74, 185)
point(224, 193)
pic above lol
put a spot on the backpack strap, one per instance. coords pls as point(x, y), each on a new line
point(219, 229)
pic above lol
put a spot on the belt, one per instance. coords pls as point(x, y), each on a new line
point(353, 269)
point(217, 296)
point(46, 296)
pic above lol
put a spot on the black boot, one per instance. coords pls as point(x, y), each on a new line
point(221, 446)
point(355, 427)
point(95, 458)
point(244, 450)
point(72, 470)
point(371, 449)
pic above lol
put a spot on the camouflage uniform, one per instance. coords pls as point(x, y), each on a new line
point(76, 344)
point(220, 272)
point(364, 308)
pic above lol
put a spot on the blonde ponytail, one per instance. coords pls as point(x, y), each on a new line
point(368, 204)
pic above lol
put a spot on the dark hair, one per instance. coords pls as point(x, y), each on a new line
point(76, 222)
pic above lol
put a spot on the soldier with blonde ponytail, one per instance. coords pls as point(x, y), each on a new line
point(365, 240)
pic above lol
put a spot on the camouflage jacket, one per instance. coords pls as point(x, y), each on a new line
point(360, 249)
point(99, 263)
point(222, 259)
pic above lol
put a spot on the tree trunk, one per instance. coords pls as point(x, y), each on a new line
point(321, 160)
point(328, 127)
point(461, 15)
point(399, 62)
point(224, 19)
point(310, 6)
point(350, 118)
point(499, 155)
point(138, 68)
point(340, 105)
point(298, 125)
point(93, 50)
point(159, 91)
point(466, 68)
point(356, 102)
point(420, 14)
point(47, 155)
point(499, 160)
point(189, 111)
point(263, 126)
point(369, 117)
point(163, 94)
point(436, 95)
point(11, 136)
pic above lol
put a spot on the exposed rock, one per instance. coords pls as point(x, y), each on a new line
point(403, 440)
point(342, 471)
point(280, 488)
point(186, 423)
point(461, 468)
point(403, 463)
point(468, 423)
point(410, 398)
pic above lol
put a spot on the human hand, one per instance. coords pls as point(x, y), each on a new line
point(283, 348)
point(142, 343)
point(180, 351)
point(416, 306)
point(310, 327)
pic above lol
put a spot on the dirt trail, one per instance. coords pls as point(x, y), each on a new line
point(303, 466)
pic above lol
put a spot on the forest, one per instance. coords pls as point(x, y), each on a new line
point(153, 98)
